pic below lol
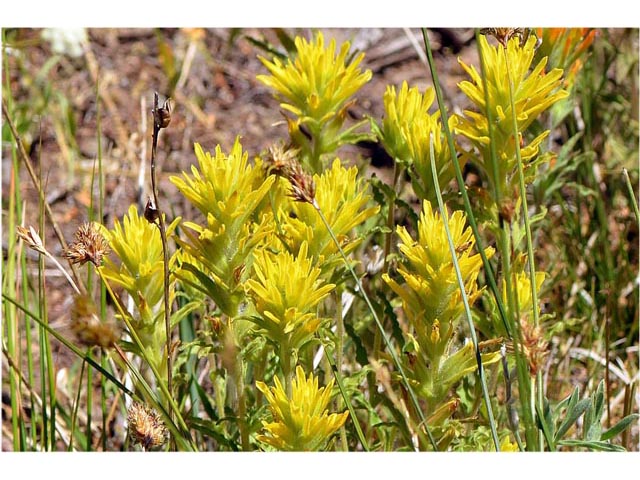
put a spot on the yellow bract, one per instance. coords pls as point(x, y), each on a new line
point(406, 133)
point(534, 91)
point(286, 291)
point(302, 421)
point(342, 198)
point(230, 192)
point(317, 83)
point(431, 299)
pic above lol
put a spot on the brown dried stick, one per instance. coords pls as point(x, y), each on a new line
point(161, 119)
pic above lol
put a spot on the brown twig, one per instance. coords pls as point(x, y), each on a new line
point(161, 119)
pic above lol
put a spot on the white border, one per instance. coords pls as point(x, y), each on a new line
point(320, 13)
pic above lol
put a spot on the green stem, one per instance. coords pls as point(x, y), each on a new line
point(527, 225)
point(10, 324)
point(103, 401)
point(339, 353)
point(345, 396)
point(47, 364)
point(463, 293)
point(632, 196)
point(76, 405)
point(67, 344)
point(285, 364)
point(173, 407)
point(89, 404)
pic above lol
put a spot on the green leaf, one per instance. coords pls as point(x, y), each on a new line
point(361, 351)
point(593, 415)
point(592, 445)
point(209, 287)
point(206, 400)
point(573, 413)
point(183, 311)
point(546, 424)
point(619, 427)
point(285, 39)
point(207, 428)
point(266, 47)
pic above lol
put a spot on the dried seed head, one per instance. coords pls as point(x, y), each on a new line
point(89, 246)
point(280, 159)
point(284, 162)
point(162, 115)
point(534, 346)
point(88, 328)
point(31, 238)
point(303, 188)
point(151, 213)
point(145, 426)
point(503, 35)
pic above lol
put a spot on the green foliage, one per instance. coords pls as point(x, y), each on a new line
point(557, 422)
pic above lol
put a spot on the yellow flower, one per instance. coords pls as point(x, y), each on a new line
point(286, 291)
point(342, 198)
point(407, 130)
point(317, 83)
point(137, 244)
point(431, 298)
point(226, 186)
point(534, 91)
point(401, 110)
point(506, 445)
point(230, 192)
point(523, 288)
point(301, 422)
point(316, 86)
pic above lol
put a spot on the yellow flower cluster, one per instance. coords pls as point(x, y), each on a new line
point(534, 91)
point(301, 421)
point(432, 302)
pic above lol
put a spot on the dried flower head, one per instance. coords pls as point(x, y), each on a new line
point(151, 213)
point(303, 188)
point(534, 346)
point(503, 35)
point(162, 115)
point(87, 326)
point(31, 238)
point(280, 159)
point(283, 161)
point(145, 426)
point(89, 246)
